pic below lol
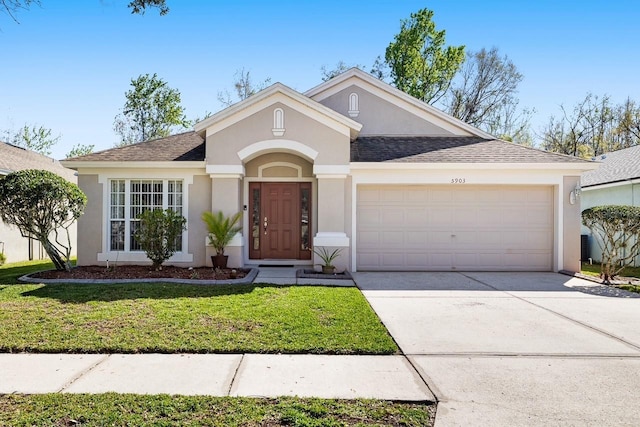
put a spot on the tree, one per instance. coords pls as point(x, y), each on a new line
point(616, 229)
point(42, 204)
point(419, 62)
point(244, 88)
point(158, 234)
point(11, 7)
point(80, 150)
point(151, 110)
point(594, 126)
point(488, 83)
point(34, 138)
point(341, 67)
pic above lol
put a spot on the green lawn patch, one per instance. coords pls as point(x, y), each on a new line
point(171, 318)
point(594, 270)
point(162, 410)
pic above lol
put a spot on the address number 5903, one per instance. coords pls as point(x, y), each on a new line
point(458, 180)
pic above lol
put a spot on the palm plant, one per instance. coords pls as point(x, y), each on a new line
point(221, 229)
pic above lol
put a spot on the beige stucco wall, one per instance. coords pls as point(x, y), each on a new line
point(199, 201)
point(332, 146)
point(571, 226)
point(252, 166)
point(380, 117)
point(90, 224)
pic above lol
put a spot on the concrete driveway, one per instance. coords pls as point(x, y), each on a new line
point(516, 348)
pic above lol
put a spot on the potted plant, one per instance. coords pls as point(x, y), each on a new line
point(221, 230)
point(327, 258)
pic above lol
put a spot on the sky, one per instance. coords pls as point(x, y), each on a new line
point(68, 63)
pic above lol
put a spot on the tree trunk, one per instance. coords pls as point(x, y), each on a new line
point(55, 255)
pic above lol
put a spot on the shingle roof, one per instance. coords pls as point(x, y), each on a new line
point(616, 166)
point(14, 159)
point(183, 147)
point(420, 149)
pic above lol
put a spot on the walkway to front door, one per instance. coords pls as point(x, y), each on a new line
point(280, 220)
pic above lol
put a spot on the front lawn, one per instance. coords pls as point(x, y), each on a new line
point(162, 410)
point(170, 318)
point(594, 270)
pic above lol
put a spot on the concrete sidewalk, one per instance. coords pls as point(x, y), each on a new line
point(250, 375)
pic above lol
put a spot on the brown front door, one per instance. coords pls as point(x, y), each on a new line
point(280, 220)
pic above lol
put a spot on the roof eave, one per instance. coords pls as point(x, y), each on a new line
point(390, 165)
point(110, 164)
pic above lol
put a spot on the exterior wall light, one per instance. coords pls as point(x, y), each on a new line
point(574, 195)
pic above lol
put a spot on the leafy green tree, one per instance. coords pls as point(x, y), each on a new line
point(11, 7)
point(616, 229)
point(158, 234)
point(420, 63)
point(34, 138)
point(80, 150)
point(151, 111)
point(42, 204)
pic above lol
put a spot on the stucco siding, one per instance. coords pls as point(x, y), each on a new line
point(199, 201)
point(571, 227)
point(252, 168)
point(380, 117)
point(90, 224)
point(223, 146)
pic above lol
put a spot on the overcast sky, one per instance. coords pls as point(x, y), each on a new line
point(67, 64)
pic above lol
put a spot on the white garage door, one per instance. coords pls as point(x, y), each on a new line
point(464, 228)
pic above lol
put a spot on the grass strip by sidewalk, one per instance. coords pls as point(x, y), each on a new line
point(171, 318)
point(164, 410)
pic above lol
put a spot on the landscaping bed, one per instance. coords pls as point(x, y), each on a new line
point(94, 272)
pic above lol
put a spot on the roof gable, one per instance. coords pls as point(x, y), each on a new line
point(424, 111)
point(278, 93)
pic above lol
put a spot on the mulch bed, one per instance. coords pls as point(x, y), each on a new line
point(142, 272)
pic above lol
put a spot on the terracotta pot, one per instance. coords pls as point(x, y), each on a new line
point(219, 261)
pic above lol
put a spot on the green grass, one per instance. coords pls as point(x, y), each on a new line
point(162, 410)
point(594, 270)
point(171, 318)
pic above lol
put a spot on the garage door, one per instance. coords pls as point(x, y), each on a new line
point(464, 228)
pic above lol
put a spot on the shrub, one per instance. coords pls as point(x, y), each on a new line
point(158, 234)
point(3, 258)
point(617, 231)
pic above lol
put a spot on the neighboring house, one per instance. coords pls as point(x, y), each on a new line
point(615, 182)
point(352, 163)
point(13, 159)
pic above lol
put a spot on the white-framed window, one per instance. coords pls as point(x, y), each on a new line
point(129, 198)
